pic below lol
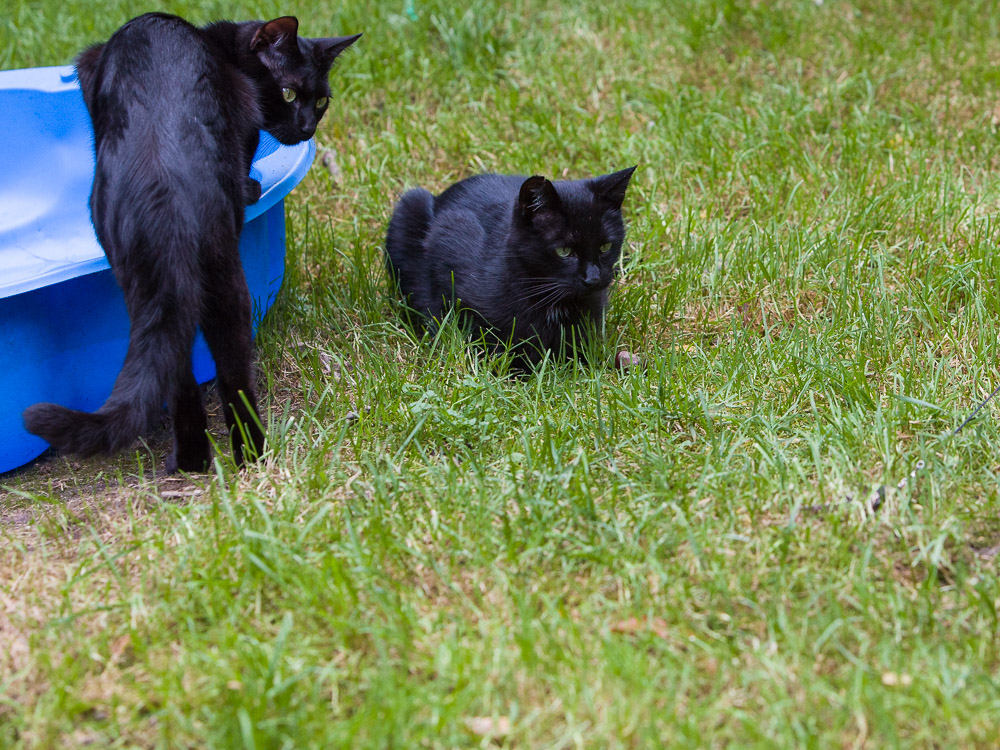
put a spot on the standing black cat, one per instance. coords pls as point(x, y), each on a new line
point(527, 261)
point(177, 112)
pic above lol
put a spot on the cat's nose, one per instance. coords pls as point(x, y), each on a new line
point(592, 278)
point(307, 126)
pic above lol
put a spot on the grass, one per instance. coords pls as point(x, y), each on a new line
point(581, 558)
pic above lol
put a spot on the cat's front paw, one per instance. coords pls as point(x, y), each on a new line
point(251, 191)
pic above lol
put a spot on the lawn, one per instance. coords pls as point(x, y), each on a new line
point(435, 554)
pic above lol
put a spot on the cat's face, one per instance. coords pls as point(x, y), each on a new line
point(295, 93)
point(572, 235)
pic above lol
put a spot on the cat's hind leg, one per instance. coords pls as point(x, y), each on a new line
point(404, 249)
point(404, 241)
point(192, 451)
point(227, 325)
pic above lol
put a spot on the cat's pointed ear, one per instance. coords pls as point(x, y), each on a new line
point(611, 187)
point(281, 32)
point(327, 50)
point(538, 194)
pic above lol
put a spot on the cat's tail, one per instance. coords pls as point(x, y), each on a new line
point(83, 433)
point(158, 359)
point(408, 228)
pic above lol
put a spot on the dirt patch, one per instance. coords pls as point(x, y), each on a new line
point(74, 491)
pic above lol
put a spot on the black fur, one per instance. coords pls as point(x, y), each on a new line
point(177, 112)
point(490, 246)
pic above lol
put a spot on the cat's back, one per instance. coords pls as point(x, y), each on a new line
point(170, 115)
point(151, 29)
point(170, 119)
point(151, 51)
point(157, 76)
point(481, 193)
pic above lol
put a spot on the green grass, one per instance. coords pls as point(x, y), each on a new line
point(588, 558)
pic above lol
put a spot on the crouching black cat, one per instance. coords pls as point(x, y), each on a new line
point(177, 112)
point(528, 262)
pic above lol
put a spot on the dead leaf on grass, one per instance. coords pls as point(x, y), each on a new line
point(891, 679)
point(987, 553)
point(176, 494)
point(656, 625)
point(488, 726)
point(120, 646)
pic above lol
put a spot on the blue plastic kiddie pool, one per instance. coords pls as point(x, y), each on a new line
point(63, 325)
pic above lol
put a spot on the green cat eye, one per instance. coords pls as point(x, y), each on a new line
point(562, 252)
point(288, 95)
point(322, 102)
point(605, 247)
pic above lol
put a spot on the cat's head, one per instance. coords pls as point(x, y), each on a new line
point(572, 232)
point(294, 91)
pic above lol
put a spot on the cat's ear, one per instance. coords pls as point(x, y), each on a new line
point(537, 195)
point(281, 33)
point(611, 187)
point(327, 50)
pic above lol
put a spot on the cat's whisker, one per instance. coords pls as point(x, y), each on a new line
point(538, 291)
point(556, 295)
point(552, 297)
point(541, 285)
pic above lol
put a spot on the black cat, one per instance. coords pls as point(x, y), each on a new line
point(177, 112)
point(528, 262)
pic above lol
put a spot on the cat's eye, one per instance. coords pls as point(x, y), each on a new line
point(562, 252)
point(322, 102)
point(606, 247)
point(288, 95)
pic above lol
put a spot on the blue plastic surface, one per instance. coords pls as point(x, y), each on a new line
point(63, 324)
